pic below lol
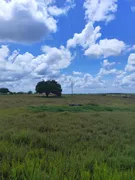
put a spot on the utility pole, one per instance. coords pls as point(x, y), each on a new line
point(72, 88)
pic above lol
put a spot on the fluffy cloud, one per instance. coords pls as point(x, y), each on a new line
point(55, 11)
point(21, 72)
point(97, 10)
point(86, 81)
point(33, 20)
point(107, 64)
point(77, 73)
point(125, 81)
point(26, 21)
point(106, 48)
point(106, 69)
point(100, 10)
point(126, 78)
point(104, 72)
point(4, 51)
point(87, 37)
point(131, 63)
point(18, 66)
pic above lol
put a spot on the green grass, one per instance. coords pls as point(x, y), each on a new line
point(44, 138)
point(85, 108)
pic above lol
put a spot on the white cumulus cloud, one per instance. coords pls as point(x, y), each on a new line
point(85, 81)
point(27, 21)
point(15, 66)
point(87, 37)
point(106, 48)
point(107, 64)
point(100, 10)
point(131, 63)
point(106, 69)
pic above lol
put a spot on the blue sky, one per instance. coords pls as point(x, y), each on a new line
point(88, 42)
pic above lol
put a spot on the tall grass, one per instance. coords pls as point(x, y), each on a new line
point(58, 142)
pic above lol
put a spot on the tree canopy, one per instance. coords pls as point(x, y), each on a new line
point(4, 90)
point(30, 92)
point(48, 87)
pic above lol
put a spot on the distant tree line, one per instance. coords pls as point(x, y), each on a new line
point(43, 87)
point(6, 91)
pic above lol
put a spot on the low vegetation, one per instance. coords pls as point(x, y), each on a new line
point(86, 108)
point(45, 138)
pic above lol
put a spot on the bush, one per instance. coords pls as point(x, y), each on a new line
point(30, 92)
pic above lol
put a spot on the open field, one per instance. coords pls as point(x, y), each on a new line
point(45, 139)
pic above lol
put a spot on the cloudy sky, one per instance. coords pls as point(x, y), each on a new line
point(88, 42)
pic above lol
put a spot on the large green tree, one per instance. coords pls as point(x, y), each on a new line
point(4, 90)
point(49, 87)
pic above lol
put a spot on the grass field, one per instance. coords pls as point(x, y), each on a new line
point(45, 139)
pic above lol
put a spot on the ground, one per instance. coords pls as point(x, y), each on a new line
point(46, 139)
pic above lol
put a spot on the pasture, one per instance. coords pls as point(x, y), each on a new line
point(46, 139)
